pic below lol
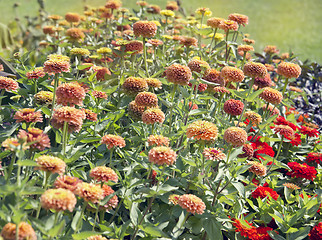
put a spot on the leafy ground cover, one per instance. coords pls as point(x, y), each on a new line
point(147, 124)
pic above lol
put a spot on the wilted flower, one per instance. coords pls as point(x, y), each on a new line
point(202, 130)
point(153, 115)
point(103, 174)
point(111, 141)
point(51, 164)
point(236, 136)
point(158, 140)
point(26, 232)
point(8, 84)
point(90, 192)
point(214, 154)
point(58, 199)
point(70, 94)
point(192, 204)
point(233, 107)
point(28, 115)
point(178, 74)
point(162, 155)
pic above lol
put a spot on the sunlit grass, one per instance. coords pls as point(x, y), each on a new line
point(291, 25)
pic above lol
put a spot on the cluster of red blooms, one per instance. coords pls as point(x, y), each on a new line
point(303, 170)
point(316, 232)
point(261, 148)
point(311, 132)
point(253, 233)
point(314, 157)
point(262, 192)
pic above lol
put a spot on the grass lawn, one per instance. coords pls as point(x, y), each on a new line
point(291, 25)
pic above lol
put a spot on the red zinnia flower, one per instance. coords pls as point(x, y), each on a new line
point(260, 233)
point(301, 170)
point(282, 121)
point(311, 132)
point(316, 232)
point(261, 148)
point(314, 157)
point(245, 230)
point(295, 139)
point(262, 192)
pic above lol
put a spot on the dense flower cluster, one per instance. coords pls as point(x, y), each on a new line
point(303, 170)
point(202, 130)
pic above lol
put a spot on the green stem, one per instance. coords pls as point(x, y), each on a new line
point(81, 217)
point(13, 160)
point(54, 96)
point(118, 207)
point(245, 102)
point(55, 222)
point(285, 85)
point(229, 152)
point(65, 135)
point(144, 55)
point(218, 105)
point(227, 46)
point(44, 185)
point(212, 39)
point(111, 155)
point(1, 95)
point(172, 105)
point(278, 152)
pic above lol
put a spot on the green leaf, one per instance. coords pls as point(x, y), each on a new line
point(254, 95)
point(154, 231)
point(82, 67)
point(300, 234)
point(177, 230)
point(84, 235)
point(135, 213)
point(275, 236)
point(53, 232)
point(213, 228)
point(27, 163)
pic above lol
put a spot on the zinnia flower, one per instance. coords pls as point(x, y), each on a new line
point(291, 186)
point(233, 107)
point(153, 82)
point(113, 4)
point(90, 115)
point(36, 136)
point(158, 140)
point(284, 130)
point(36, 73)
point(253, 117)
point(101, 72)
point(314, 157)
point(214, 154)
point(56, 66)
point(271, 49)
point(248, 152)
point(51, 164)
point(271, 95)
point(67, 182)
point(70, 93)
point(197, 65)
point(58, 199)
point(111, 141)
point(282, 121)
point(75, 34)
point(153, 115)
point(134, 85)
point(146, 29)
point(74, 117)
point(162, 155)
point(245, 229)
point(26, 232)
point(236, 136)
point(99, 94)
point(227, 25)
point(232, 74)
point(289, 70)
point(178, 74)
point(316, 232)
point(311, 132)
point(134, 46)
point(257, 168)
point(295, 139)
point(8, 84)
point(146, 99)
point(203, 11)
point(112, 203)
point(214, 22)
point(299, 170)
point(44, 98)
point(192, 204)
point(254, 69)
point(188, 41)
point(262, 192)
point(79, 51)
point(90, 192)
point(172, 5)
point(103, 174)
point(239, 18)
point(261, 148)
point(72, 17)
point(135, 110)
point(202, 130)
point(212, 75)
point(273, 110)
point(28, 115)
point(174, 199)
point(96, 237)
point(12, 144)
point(263, 82)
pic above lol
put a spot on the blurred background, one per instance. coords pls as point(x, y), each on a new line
point(291, 25)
